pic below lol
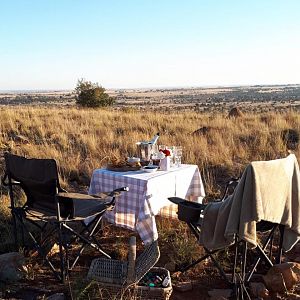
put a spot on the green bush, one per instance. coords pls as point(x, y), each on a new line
point(90, 94)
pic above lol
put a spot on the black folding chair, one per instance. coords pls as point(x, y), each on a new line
point(63, 217)
point(242, 269)
point(192, 214)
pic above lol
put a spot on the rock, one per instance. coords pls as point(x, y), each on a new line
point(12, 267)
point(282, 277)
point(220, 294)
point(57, 296)
point(259, 290)
point(183, 286)
point(235, 112)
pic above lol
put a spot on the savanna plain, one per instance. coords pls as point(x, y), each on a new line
point(81, 140)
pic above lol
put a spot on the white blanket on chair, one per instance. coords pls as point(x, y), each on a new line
point(268, 190)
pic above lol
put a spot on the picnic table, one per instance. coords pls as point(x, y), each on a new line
point(148, 195)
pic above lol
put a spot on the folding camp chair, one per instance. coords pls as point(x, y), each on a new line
point(64, 217)
point(192, 214)
point(284, 171)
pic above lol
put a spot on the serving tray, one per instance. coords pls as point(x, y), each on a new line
point(122, 168)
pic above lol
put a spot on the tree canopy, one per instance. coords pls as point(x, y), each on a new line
point(89, 94)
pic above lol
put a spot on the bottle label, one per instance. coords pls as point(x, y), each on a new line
point(166, 282)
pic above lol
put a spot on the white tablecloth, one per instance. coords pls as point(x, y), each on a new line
point(148, 193)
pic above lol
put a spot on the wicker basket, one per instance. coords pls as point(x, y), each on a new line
point(153, 293)
point(119, 279)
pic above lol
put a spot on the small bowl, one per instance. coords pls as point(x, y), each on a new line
point(150, 169)
point(133, 159)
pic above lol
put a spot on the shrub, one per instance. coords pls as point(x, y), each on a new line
point(90, 94)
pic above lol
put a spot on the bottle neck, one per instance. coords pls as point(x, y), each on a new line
point(154, 140)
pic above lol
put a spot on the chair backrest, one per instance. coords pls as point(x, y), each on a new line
point(37, 177)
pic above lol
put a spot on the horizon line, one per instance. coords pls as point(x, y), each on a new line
point(154, 87)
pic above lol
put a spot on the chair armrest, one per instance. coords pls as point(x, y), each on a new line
point(184, 202)
point(118, 191)
point(113, 194)
point(176, 200)
point(78, 196)
point(100, 196)
point(66, 203)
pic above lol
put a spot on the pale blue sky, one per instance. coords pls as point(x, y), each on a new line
point(50, 44)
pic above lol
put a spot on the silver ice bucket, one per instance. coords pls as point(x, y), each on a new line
point(145, 150)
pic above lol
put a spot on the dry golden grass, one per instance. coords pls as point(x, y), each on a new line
point(83, 139)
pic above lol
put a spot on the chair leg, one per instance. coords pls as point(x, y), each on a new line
point(61, 254)
point(84, 239)
point(67, 260)
point(40, 250)
point(241, 289)
point(262, 255)
point(235, 258)
point(209, 254)
point(90, 240)
point(15, 230)
point(279, 254)
point(238, 280)
point(271, 247)
point(22, 232)
point(244, 261)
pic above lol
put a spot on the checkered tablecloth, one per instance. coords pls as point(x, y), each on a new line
point(148, 195)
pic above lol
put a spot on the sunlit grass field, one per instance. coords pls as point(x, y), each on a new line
point(84, 139)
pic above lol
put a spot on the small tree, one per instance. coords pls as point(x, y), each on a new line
point(90, 94)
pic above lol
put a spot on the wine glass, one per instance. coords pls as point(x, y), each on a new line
point(177, 155)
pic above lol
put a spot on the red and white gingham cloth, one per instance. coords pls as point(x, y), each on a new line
point(147, 196)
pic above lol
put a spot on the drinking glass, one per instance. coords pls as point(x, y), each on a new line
point(155, 159)
point(173, 151)
point(177, 155)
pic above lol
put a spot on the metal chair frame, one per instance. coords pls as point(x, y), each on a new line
point(238, 279)
point(60, 224)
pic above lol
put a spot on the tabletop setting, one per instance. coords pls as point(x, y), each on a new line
point(150, 157)
point(153, 174)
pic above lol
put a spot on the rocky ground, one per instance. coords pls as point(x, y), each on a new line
point(201, 282)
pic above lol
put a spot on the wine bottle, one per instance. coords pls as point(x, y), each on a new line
point(154, 140)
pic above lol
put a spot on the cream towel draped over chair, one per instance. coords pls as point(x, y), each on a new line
point(269, 191)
